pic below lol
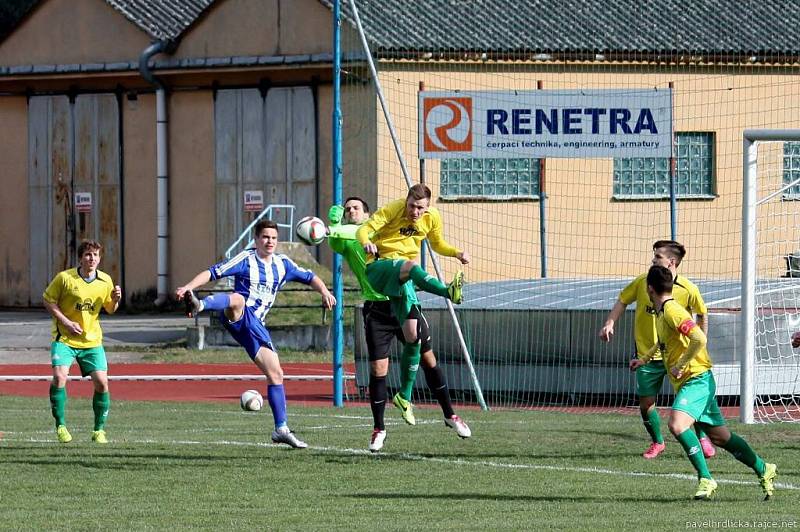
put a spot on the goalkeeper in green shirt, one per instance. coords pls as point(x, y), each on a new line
point(382, 328)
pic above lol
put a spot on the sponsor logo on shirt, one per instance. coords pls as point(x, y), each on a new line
point(85, 306)
point(408, 231)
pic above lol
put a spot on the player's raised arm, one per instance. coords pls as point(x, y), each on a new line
point(438, 242)
point(199, 280)
point(112, 304)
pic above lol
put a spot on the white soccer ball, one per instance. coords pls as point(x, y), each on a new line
point(311, 230)
point(251, 400)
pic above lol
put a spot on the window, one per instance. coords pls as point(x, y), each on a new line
point(791, 169)
point(648, 177)
point(493, 179)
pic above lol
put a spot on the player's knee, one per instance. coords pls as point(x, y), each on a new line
point(101, 387)
point(676, 427)
point(274, 376)
point(411, 338)
point(59, 381)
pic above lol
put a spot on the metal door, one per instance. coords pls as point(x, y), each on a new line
point(73, 149)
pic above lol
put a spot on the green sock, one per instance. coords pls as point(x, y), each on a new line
point(688, 439)
point(742, 451)
point(100, 404)
point(700, 432)
point(426, 282)
point(653, 425)
point(58, 404)
point(409, 364)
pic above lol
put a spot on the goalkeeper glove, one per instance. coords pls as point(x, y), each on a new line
point(335, 214)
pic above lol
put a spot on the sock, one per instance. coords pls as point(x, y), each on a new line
point(426, 282)
point(435, 379)
point(409, 364)
point(700, 432)
point(690, 443)
point(652, 423)
point(216, 302)
point(100, 404)
point(58, 404)
point(276, 396)
point(742, 451)
point(377, 400)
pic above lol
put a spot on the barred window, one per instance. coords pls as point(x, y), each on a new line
point(648, 177)
point(492, 179)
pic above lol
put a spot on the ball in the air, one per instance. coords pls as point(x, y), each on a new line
point(251, 400)
point(311, 230)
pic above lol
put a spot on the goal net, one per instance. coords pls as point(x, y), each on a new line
point(578, 163)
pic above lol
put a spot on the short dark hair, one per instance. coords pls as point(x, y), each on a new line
point(89, 245)
point(675, 249)
point(264, 224)
point(364, 204)
point(660, 279)
point(419, 191)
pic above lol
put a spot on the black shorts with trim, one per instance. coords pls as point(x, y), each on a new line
point(381, 329)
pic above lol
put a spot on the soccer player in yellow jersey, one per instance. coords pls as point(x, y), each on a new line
point(74, 299)
point(391, 238)
point(683, 347)
point(650, 377)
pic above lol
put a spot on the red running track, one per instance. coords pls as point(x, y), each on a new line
point(307, 392)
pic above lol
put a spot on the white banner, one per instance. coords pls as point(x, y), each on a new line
point(545, 123)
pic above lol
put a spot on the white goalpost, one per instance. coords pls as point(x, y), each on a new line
point(770, 369)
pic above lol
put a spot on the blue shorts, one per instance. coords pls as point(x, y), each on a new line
point(249, 331)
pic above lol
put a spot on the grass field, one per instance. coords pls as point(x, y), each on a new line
point(211, 466)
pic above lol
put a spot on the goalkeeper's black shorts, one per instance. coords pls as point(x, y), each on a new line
point(382, 329)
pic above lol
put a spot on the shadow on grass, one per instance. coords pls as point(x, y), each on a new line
point(501, 497)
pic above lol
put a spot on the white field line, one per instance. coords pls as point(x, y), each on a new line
point(449, 461)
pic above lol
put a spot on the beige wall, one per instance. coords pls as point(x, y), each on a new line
point(590, 234)
point(73, 31)
point(14, 240)
point(263, 27)
point(139, 200)
point(192, 186)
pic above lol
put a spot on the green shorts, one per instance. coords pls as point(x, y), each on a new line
point(697, 398)
point(650, 378)
point(89, 359)
point(384, 276)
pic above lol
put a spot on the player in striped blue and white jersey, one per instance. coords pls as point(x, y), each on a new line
point(258, 275)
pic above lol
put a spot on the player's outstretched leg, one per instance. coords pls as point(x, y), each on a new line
point(428, 283)
point(741, 450)
point(194, 306)
point(58, 407)
point(409, 364)
point(437, 385)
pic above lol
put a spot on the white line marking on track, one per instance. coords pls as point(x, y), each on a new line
point(458, 461)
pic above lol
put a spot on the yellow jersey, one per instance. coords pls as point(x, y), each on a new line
point(80, 301)
point(673, 323)
point(644, 326)
point(397, 237)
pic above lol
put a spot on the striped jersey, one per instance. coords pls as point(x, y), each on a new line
point(259, 280)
